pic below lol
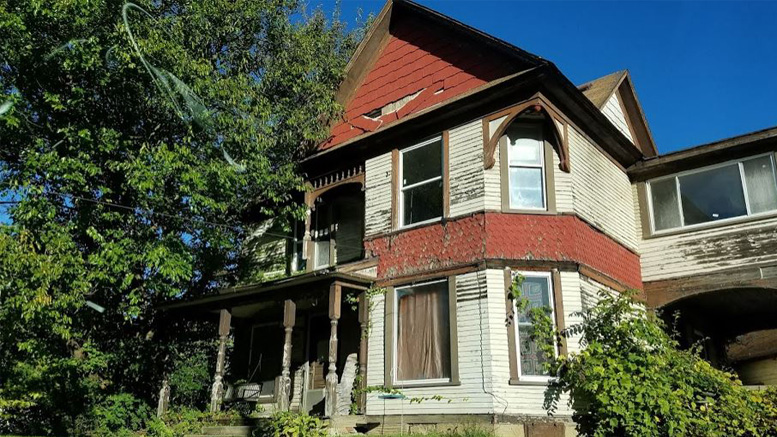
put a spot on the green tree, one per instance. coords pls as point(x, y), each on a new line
point(138, 139)
point(632, 379)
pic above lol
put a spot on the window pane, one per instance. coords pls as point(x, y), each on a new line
point(666, 214)
point(536, 291)
point(712, 195)
point(322, 253)
point(526, 188)
point(423, 333)
point(525, 144)
point(761, 188)
point(532, 358)
point(422, 164)
point(423, 202)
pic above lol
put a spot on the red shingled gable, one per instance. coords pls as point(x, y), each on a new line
point(419, 57)
point(503, 236)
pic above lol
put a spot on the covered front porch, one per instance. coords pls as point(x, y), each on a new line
point(298, 343)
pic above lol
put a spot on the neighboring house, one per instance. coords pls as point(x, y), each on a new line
point(462, 161)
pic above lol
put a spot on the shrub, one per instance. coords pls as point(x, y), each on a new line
point(118, 415)
point(631, 378)
point(289, 424)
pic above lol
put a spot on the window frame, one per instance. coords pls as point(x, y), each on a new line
point(547, 166)
point(714, 223)
point(392, 331)
point(552, 303)
point(401, 189)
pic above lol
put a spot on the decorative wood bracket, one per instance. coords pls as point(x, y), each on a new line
point(536, 104)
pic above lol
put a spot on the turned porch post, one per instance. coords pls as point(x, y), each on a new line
point(284, 389)
point(217, 391)
point(330, 406)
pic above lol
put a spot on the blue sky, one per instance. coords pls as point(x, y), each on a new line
point(703, 71)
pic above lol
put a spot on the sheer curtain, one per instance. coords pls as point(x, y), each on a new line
point(761, 188)
point(423, 333)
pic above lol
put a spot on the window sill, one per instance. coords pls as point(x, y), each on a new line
point(419, 224)
point(711, 225)
point(401, 385)
point(528, 211)
point(532, 382)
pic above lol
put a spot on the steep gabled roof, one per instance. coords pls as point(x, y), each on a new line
point(417, 71)
point(601, 90)
point(413, 58)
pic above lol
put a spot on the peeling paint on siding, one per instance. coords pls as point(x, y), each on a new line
point(465, 148)
point(377, 195)
point(709, 250)
point(601, 191)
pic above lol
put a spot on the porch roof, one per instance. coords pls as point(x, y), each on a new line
point(251, 293)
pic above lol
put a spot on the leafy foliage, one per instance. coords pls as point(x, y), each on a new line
point(139, 139)
point(289, 424)
point(631, 378)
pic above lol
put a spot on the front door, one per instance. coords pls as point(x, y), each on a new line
point(318, 356)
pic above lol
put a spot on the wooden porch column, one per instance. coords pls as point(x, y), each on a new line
point(364, 320)
point(217, 391)
point(284, 389)
point(330, 406)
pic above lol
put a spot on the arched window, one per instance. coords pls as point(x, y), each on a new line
point(526, 159)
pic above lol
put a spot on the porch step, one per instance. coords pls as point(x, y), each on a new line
point(244, 431)
point(225, 431)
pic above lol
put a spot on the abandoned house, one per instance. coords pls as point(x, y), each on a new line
point(461, 161)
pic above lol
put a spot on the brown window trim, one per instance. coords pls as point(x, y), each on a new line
point(537, 104)
point(512, 344)
point(389, 340)
point(550, 185)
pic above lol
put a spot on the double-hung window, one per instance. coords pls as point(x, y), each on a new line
point(725, 191)
point(537, 289)
point(421, 195)
point(422, 334)
point(526, 166)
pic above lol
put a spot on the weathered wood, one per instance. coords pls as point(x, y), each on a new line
point(217, 390)
point(164, 399)
point(330, 407)
point(284, 386)
point(364, 321)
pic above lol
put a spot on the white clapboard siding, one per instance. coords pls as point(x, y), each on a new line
point(614, 112)
point(708, 250)
point(465, 149)
point(637, 216)
point(377, 195)
point(563, 182)
point(470, 397)
point(601, 191)
point(267, 250)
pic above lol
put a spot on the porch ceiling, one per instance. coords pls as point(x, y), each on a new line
point(730, 312)
point(269, 291)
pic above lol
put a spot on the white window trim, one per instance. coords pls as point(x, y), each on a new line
point(401, 207)
point(713, 223)
point(394, 379)
point(541, 166)
point(534, 378)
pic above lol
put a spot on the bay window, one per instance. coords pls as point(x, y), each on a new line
point(725, 191)
point(421, 191)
